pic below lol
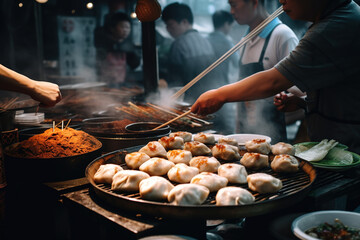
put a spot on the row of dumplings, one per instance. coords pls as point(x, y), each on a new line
point(224, 149)
point(157, 160)
point(158, 188)
point(196, 175)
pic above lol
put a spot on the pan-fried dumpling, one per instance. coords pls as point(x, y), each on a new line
point(186, 136)
point(172, 142)
point(285, 163)
point(233, 196)
point(155, 188)
point(283, 148)
point(255, 161)
point(229, 140)
point(197, 148)
point(205, 164)
point(206, 138)
point(264, 183)
point(156, 166)
point(154, 149)
point(235, 173)
point(179, 156)
point(258, 146)
point(210, 180)
point(225, 152)
point(188, 194)
point(106, 172)
point(135, 159)
point(182, 173)
point(128, 180)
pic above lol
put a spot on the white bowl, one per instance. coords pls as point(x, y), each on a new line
point(310, 220)
point(242, 138)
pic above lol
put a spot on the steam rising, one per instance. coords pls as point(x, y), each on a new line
point(163, 98)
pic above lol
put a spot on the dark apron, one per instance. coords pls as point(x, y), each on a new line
point(321, 125)
point(260, 116)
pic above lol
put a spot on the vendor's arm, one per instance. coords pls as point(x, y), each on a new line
point(48, 94)
point(260, 85)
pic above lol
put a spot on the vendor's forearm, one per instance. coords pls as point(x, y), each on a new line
point(12, 81)
point(260, 85)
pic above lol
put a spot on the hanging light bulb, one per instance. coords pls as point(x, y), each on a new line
point(89, 5)
point(41, 1)
point(133, 15)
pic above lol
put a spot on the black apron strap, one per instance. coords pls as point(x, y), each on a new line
point(242, 53)
point(266, 44)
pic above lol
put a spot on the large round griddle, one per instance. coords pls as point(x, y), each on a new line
point(295, 187)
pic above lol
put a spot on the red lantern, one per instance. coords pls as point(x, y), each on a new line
point(148, 10)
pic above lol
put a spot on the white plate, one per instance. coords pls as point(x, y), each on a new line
point(242, 138)
point(310, 220)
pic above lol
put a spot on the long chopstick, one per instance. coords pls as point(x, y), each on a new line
point(241, 43)
point(10, 103)
point(172, 120)
point(175, 114)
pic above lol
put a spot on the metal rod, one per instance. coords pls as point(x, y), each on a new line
point(150, 61)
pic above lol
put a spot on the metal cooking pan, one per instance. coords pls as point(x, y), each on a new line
point(147, 128)
point(295, 187)
point(24, 170)
point(94, 126)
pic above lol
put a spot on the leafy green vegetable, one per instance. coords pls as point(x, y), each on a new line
point(338, 156)
point(317, 152)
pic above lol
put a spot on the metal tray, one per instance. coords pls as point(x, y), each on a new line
point(25, 170)
point(295, 187)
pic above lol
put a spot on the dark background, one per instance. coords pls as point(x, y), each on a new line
point(21, 49)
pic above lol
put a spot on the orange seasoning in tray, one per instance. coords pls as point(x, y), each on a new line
point(55, 143)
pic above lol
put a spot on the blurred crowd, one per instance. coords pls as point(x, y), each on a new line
point(184, 53)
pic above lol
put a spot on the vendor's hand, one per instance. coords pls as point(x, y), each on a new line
point(208, 102)
point(48, 94)
point(288, 102)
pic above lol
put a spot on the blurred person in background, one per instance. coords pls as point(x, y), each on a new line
point(324, 65)
point(115, 51)
point(262, 52)
point(189, 55)
point(222, 42)
point(48, 94)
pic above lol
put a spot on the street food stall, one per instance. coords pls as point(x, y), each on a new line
point(98, 166)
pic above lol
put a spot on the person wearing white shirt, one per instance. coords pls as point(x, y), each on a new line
point(262, 52)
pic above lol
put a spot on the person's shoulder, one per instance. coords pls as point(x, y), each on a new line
point(343, 18)
point(341, 22)
point(283, 34)
point(218, 37)
point(283, 30)
point(349, 11)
